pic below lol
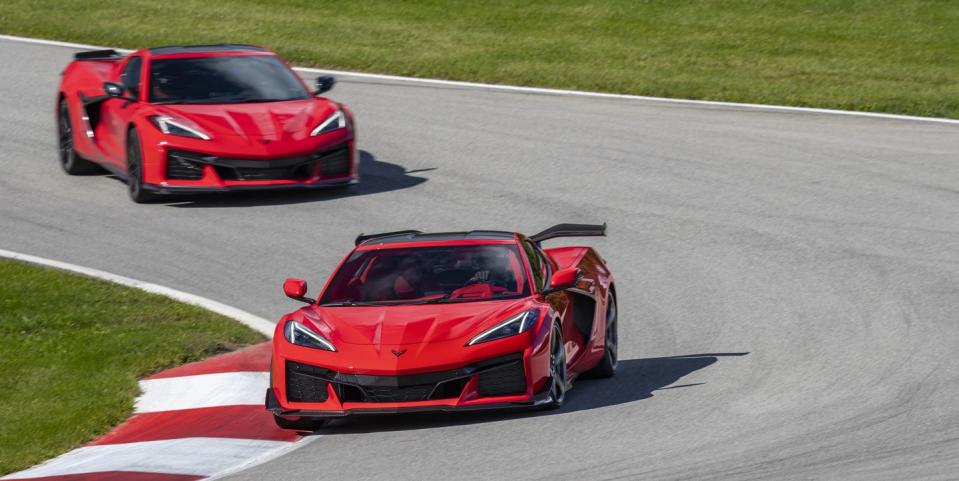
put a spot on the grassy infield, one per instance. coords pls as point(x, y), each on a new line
point(896, 56)
point(72, 349)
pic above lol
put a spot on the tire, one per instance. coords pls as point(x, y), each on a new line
point(135, 169)
point(70, 161)
point(299, 424)
point(558, 374)
point(607, 365)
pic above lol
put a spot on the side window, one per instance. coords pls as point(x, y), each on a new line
point(130, 78)
point(537, 265)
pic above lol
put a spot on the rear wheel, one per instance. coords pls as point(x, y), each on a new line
point(299, 424)
point(135, 169)
point(558, 375)
point(607, 365)
point(71, 163)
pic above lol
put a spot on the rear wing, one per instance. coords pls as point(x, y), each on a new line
point(570, 230)
point(365, 237)
point(98, 55)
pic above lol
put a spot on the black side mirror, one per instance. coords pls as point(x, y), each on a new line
point(324, 83)
point(113, 89)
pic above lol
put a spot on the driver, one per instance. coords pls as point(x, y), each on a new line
point(490, 268)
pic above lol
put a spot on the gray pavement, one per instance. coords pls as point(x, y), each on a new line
point(825, 247)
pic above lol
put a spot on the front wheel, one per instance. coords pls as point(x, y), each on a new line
point(299, 424)
point(135, 169)
point(558, 375)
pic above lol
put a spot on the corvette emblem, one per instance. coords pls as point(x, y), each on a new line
point(398, 353)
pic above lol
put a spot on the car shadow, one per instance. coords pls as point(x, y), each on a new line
point(635, 380)
point(376, 176)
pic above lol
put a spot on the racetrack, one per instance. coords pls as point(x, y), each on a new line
point(825, 247)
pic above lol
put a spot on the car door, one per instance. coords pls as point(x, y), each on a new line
point(116, 113)
point(541, 267)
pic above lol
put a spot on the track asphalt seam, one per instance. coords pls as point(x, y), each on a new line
point(545, 91)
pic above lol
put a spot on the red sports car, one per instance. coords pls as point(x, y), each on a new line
point(445, 322)
point(202, 118)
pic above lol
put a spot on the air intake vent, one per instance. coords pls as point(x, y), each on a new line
point(503, 380)
point(303, 385)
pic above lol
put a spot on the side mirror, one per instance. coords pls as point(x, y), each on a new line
point(296, 289)
point(563, 279)
point(113, 89)
point(324, 83)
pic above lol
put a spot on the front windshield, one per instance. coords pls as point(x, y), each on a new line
point(428, 274)
point(223, 80)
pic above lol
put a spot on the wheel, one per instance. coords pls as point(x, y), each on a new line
point(607, 365)
point(71, 163)
point(299, 424)
point(135, 169)
point(558, 375)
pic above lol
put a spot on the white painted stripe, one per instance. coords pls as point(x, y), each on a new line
point(548, 91)
point(202, 391)
point(258, 323)
point(196, 456)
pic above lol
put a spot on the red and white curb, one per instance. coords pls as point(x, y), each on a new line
point(197, 421)
point(193, 422)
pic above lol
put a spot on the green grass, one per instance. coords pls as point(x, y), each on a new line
point(72, 349)
point(899, 56)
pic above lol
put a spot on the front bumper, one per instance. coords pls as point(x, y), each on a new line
point(187, 166)
point(444, 376)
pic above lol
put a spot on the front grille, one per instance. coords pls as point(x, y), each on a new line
point(184, 168)
point(183, 164)
point(335, 164)
point(502, 380)
point(497, 377)
point(305, 384)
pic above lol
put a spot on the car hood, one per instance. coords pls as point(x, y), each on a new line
point(411, 324)
point(273, 121)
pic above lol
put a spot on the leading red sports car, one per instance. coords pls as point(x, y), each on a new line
point(445, 322)
point(202, 118)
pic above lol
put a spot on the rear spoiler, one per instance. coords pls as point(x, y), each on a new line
point(570, 230)
point(365, 237)
point(109, 54)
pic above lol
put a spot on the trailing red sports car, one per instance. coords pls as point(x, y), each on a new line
point(202, 118)
point(445, 322)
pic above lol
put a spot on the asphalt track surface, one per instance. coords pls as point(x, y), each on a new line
point(789, 282)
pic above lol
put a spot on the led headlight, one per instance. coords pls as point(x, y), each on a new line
point(168, 125)
point(301, 335)
point(335, 121)
point(515, 325)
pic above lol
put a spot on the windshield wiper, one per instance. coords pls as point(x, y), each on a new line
point(348, 303)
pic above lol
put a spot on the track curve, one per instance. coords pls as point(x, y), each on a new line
point(825, 247)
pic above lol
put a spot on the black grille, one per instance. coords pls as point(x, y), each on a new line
point(502, 380)
point(304, 384)
point(182, 164)
point(336, 163)
point(497, 377)
point(178, 167)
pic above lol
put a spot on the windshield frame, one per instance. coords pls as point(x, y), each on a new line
point(528, 289)
point(148, 97)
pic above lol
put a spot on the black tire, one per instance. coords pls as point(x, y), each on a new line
point(299, 424)
point(559, 375)
point(135, 170)
point(607, 365)
point(70, 161)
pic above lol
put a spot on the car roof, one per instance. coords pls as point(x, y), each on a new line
point(405, 237)
point(212, 48)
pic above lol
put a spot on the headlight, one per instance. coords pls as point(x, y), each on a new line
point(515, 325)
point(335, 121)
point(301, 335)
point(169, 126)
